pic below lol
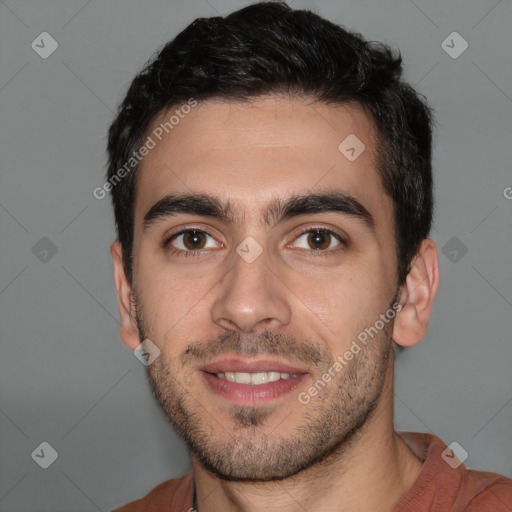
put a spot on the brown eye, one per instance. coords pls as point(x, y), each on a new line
point(319, 240)
point(192, 240)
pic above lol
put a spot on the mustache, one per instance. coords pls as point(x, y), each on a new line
point(262, 343)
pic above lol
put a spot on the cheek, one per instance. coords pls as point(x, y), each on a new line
point(337, 301)
point(175, 304)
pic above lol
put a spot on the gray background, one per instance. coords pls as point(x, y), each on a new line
point(66, 378)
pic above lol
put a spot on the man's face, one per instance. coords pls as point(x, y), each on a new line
point(237, 299)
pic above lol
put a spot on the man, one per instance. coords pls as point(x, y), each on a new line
point(272, 187)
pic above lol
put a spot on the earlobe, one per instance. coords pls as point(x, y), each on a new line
point(417, 296)
point(129, 333)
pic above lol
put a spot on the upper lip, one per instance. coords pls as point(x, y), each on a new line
point(237, 364)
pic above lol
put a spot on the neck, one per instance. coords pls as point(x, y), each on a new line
point(375, 459)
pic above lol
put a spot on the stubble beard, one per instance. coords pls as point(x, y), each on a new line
point(245, 451)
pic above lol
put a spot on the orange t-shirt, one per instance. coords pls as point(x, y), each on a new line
point(438, 488)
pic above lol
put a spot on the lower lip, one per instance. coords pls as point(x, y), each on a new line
point(246, 394)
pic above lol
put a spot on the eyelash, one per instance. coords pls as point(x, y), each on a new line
point(194, 254)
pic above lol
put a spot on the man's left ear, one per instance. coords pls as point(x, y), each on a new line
point(417, 296)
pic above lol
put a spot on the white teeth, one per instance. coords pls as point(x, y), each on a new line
point(242, 378)
point(259, 378)
point(273, 376)
point(254, 379)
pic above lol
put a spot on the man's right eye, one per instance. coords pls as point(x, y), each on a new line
point(190, 241)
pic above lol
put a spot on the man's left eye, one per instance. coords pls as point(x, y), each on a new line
point(318, 239)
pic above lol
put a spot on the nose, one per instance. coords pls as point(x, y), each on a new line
point(251, 297)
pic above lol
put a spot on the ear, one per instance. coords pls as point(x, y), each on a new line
point(129, 333)
point(417, 296)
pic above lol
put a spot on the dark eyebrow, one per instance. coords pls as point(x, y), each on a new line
point(193, 204)
point(280, 209)
point(309, 204)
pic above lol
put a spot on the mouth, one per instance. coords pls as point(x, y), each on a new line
point(255, 379)
point(250, 382)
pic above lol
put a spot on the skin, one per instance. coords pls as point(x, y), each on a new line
point(295, 301)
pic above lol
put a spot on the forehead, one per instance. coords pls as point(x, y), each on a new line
point(252, 152)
